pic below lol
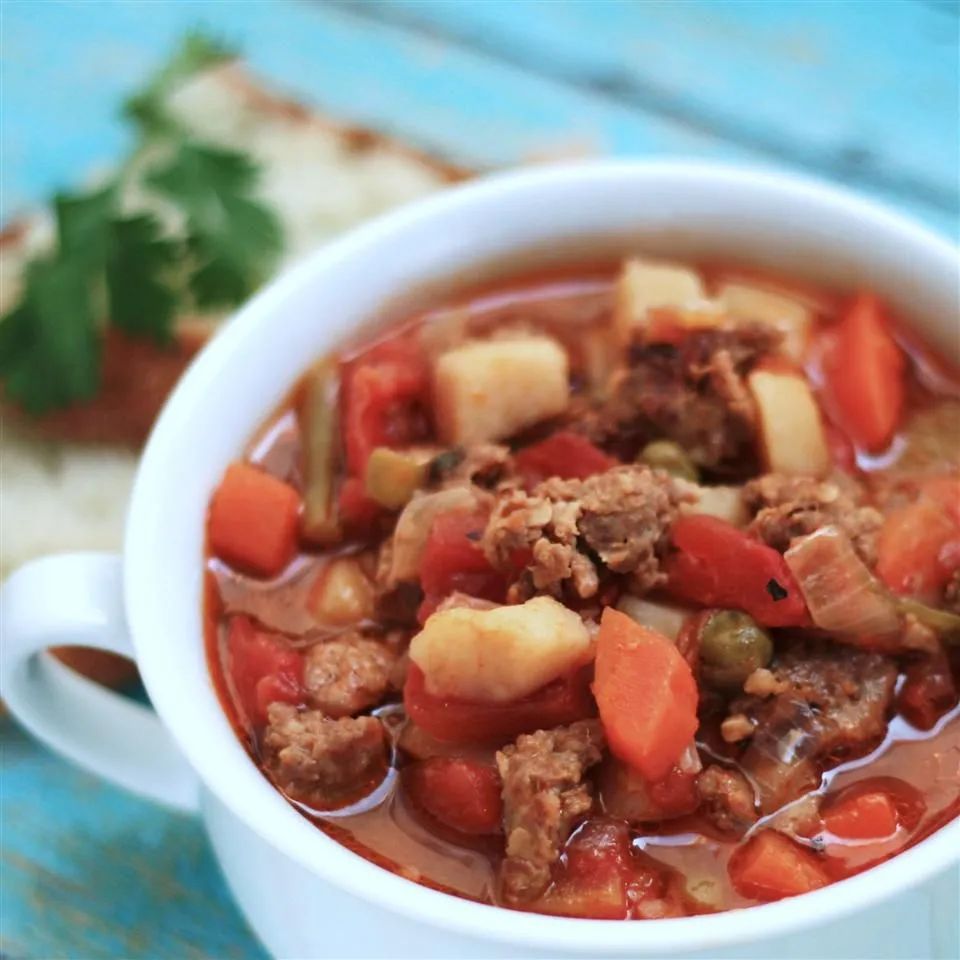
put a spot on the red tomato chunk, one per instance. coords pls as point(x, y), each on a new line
point(462, 794)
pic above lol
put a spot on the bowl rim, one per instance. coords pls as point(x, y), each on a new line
point(261, 807)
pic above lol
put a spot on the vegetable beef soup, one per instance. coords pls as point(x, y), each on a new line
point(619, 593)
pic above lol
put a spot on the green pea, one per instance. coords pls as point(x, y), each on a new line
point(670, 457)
point(732, 646)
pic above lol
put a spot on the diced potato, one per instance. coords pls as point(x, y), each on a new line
point(792, 317)
point(726, 503)
point(413, 527)
point(665, 618)
point(645, 284)
point(490, 389)
point(502, 654)
point(342, 594)
point(791, 430)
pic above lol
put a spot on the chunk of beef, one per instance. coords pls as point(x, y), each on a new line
point(694, 394)
point(727, 799)
point(815, 705)
point(785, 507)
point(543, 797)
point(575, 529)
point(321, 762)
point(347, 674)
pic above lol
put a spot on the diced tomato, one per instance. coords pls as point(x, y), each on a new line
point(463, 721)
point(864, 375)
point(253, 520)
point(453, 560)
point(914, 549)
point(716, 565)
point(676, 793)
point(384, 396)
point(563, 454)
point(462, 794)
point(263, 669)
point(865, 815)
point(771, 866)
point(358, 512)
point(646, 694)
point(591, 880)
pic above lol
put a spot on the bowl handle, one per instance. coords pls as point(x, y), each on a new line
point(76, 599)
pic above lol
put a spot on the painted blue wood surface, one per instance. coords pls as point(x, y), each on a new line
point(861, 92)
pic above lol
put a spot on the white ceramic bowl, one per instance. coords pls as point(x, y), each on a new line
point(305, 894)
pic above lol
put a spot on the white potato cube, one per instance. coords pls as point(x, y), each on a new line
point(791, 430)
point(725, 503)
point(490, 389)
point(791, 317)
point(501, 654)
point(645, 284)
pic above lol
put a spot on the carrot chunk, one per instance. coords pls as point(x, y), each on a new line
point(771, 866)
point(253, 520)
point(865, 375)
point(867, 816)
point(646, 695)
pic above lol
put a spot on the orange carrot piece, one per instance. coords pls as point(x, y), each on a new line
point(909, 549)
point(646, 695)
point(253, 520)
point(865, 375)
point(867, 816)
point(771, 866)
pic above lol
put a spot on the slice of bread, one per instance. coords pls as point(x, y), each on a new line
point(65, 479)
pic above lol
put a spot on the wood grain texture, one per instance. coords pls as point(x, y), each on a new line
point(864, 93)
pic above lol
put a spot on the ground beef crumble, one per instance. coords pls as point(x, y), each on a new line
point(727, 799)
point(694, 394)
point(785, 507)
point(320, 761)
point(576, 529)
point(543, 797)
point(815, 705)
point(348, 674)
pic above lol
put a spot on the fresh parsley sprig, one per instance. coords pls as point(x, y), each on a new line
point(113, 267)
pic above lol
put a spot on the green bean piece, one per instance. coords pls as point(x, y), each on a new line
point(670, 457)
point(393, 476)
point(732, 646)
point(944, 624)
point(320, 428)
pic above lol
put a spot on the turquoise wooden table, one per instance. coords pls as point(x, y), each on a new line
point(865, 94)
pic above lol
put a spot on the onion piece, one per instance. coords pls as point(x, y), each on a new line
point(841, 593)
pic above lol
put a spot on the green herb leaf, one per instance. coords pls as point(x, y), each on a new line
point(141, 301)
point(197, 52)
point(233, 238)
point(50, 346)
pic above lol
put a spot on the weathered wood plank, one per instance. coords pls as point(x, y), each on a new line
point(471, 106)
point(860, 91)
point(90, 871)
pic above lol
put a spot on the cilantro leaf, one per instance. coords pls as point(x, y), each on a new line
point(52, 349)
point(141, 301)
point(233, 238)
point(82, 223)
point(198, 51)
